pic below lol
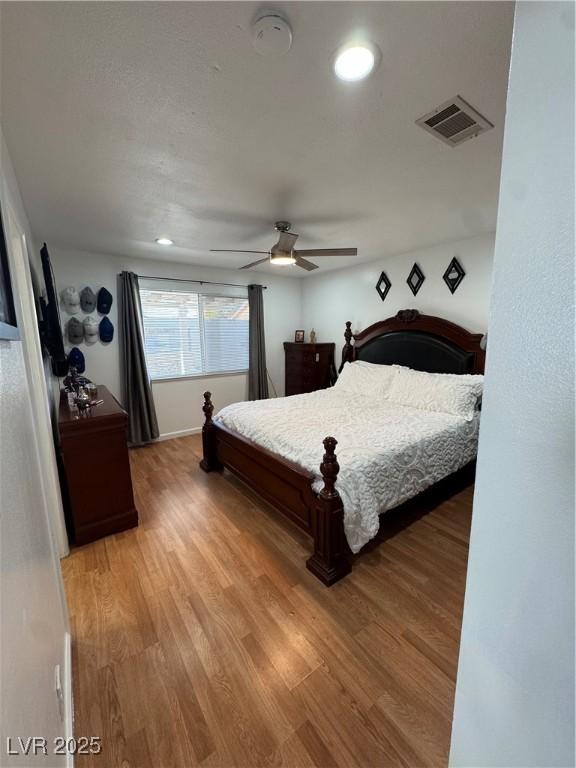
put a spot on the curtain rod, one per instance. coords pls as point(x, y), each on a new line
point(201, 282)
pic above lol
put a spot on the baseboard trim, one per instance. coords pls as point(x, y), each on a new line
point(179, 433)
point(68, 696)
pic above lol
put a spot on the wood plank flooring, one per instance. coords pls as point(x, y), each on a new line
point(201, 639)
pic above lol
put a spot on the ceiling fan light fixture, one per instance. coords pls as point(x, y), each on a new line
point(355, 61)
point(282, 259)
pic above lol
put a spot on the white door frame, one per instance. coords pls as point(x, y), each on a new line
point(20, 268)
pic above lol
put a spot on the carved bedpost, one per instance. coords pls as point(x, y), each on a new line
point(331, 558)
point(348, 349)
point(208, 408)
point(210, 461)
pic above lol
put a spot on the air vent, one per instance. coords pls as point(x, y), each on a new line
point(454, 121)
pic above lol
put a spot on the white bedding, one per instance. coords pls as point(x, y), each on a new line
point(387, 453)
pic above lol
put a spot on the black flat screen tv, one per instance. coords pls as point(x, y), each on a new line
point(8, 325)
point(50, 326)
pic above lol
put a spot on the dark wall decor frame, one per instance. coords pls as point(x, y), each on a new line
point(8, 323)
point(454, 282)
point(383, 285)
point(415, 279)
point(288, 486)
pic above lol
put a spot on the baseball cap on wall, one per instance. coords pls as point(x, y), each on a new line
point(91, 329)
point(76, 358)
point(104, 301)
point(75, 331)
point(71, 300)
point(87, 299)
point(106, 330)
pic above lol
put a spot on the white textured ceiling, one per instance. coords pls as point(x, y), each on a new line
point(126, 121)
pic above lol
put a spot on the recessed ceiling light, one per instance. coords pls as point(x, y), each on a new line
point(164, 241)
point(355, 62)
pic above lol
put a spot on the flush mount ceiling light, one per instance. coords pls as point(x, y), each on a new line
point(164, 241)
point(355, 61)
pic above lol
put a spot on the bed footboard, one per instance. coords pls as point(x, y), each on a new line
point(288, 487)
point(209, 437)
point(332, 557)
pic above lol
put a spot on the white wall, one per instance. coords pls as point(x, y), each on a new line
point(33, 618)
point(178, 403)
point(329, 300)
point(515, 688)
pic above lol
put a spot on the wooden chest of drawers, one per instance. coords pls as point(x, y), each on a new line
point(308, 367)
point(94, 454)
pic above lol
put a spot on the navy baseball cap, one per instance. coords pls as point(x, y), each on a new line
point(106, 330)
point(104, 301)
point(76, 358)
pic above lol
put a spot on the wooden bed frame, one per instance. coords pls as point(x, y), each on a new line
point(422, 342)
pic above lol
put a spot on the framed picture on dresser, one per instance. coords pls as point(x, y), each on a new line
point(299, 337)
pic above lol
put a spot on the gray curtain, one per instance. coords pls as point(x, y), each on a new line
point(257, 374)
point(138, 400)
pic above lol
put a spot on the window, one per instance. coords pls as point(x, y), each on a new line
point(192, 334)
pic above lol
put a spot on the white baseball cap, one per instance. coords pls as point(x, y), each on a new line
point(91, 329)
point(71, 300)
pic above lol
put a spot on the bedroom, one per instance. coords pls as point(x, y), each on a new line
point(300, 601)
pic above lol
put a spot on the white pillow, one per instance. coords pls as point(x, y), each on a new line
point(362, 378)
point(470, 377)
point(448, 393)
point(366, 364)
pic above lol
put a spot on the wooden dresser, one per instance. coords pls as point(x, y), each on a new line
point(98, 495)
point(308, 367)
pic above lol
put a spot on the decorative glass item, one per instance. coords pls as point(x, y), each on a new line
point(454, 275)
point(383, 285)
point(312, 336)
point(92, 390)
point(415, 279)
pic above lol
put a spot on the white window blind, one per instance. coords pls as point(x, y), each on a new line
point(187, 333)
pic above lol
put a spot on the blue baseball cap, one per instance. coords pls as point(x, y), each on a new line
point(76, 358)
point(104, 301)
point(106, 330)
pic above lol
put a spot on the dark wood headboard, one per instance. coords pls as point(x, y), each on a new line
point(422, 342)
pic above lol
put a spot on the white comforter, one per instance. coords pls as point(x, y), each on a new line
point(387, 453)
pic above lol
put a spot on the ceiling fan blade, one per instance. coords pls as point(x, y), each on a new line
point(232, 250)
point(286, 241)
point(300, 262)
point(327, 252)
point(253, 264)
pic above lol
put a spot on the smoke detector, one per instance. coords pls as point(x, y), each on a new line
point(271, 35)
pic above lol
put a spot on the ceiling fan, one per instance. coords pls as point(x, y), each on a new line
point(283, 252)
